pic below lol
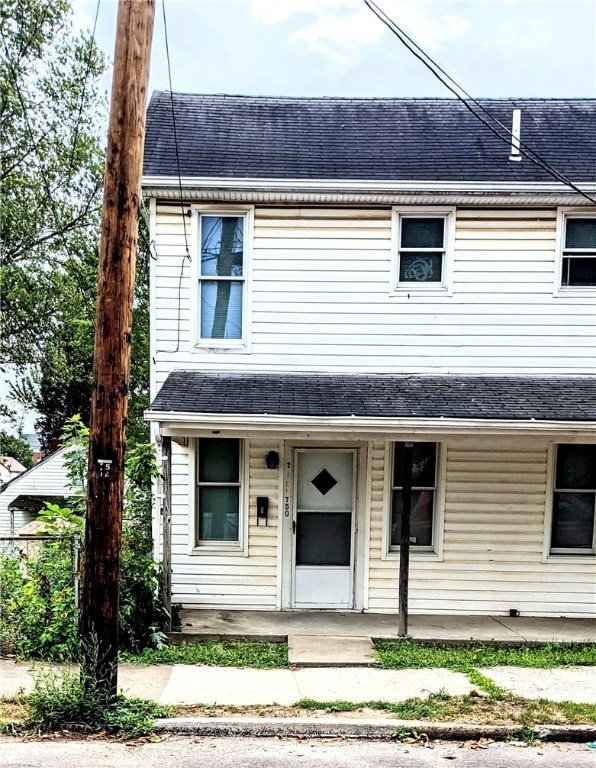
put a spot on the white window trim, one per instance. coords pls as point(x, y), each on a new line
point(445, 288)
point(582, 555)
point(222, 345)
point(435, 551)
point(239, 547)
point(560, 290)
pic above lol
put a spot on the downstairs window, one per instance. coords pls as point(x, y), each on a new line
point(219, 497)
point(574, 500)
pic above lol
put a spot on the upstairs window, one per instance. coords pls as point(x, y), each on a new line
point(574, 500)
point(579, 252)
point(424, 491)
point(423, 248)
point(222, 277)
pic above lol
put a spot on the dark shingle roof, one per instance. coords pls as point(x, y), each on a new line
point(465, 397)
point(355, 139)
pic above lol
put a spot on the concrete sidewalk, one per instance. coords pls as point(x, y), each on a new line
point(230, 686)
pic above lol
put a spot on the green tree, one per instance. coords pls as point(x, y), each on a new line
point(17, 447)
point(52, 115)
point(51, 169)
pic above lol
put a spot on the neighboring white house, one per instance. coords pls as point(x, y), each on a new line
point(9, 469)
point(343, 277)
point(23, 497)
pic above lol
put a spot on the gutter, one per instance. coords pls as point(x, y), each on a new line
point(177, 424)
point(363, 192)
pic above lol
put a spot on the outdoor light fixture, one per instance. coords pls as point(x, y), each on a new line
point(272, 460)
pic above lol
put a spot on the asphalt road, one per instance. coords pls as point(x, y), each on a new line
point(188, 752)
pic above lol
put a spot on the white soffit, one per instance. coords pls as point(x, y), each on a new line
point(364, 192)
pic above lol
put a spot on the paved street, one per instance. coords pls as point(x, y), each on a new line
point(271, 753)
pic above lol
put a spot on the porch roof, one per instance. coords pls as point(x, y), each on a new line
point(377, 396)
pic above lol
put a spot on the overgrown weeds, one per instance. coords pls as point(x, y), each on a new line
point(65, 702)
point(470, 708)
point(39, 615)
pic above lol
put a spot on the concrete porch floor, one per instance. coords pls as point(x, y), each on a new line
point(278, 626)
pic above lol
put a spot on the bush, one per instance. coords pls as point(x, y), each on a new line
point(65, 701)
point(38, 618)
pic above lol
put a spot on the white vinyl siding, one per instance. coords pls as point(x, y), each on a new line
point(320, 299)
point(208, 578)
point(492, 560)
point(48, 478)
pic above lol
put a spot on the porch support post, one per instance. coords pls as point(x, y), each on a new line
point(166, 511)
point(404, 547)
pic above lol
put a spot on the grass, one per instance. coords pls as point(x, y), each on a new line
point(405, 654)
point(471, 708)
point(217, 654)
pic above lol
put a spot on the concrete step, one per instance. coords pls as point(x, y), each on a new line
point(330, 651)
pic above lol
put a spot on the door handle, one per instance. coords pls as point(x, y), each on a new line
point(293, 526)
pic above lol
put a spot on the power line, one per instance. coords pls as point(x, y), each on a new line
point(175, 133)
point(82, 101)
point(456, 89)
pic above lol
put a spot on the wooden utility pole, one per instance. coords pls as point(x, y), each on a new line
point(404, 546)
point(111, 363)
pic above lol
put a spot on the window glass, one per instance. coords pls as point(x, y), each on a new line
point(421, 518)
point(420, 267)
point(424, 473)
point(573, 521)
point(221, 309)
point(323, 538)
point(580, 233)
point(218, 513)
point(576, 467)
point(221, 279)
point(421, 249)
point(422, 233)
point(579, 271)
point(574, 498)
point(222, 245)
point(423, 468)
point(579, 252)
point(219, 460)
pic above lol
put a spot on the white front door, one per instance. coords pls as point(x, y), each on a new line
point(324, 526)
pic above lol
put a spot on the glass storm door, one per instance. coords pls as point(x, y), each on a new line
point(324, 528)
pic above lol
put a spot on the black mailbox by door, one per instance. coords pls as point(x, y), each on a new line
point(262, 509)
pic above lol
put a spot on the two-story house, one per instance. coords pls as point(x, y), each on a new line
point(335, 278)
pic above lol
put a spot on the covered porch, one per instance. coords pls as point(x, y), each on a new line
point(502, 516)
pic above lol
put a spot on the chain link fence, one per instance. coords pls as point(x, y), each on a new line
point(39, 575)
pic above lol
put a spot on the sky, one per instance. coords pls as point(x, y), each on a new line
point(493, 48)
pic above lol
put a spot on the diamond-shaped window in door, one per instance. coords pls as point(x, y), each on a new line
point(324, 482)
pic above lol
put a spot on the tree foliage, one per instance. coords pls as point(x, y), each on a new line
point(51, 175)
point(51, 171)
point(17, 447)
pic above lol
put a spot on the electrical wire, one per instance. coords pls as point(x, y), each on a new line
point(467, 100)
point(175, 133)
point(81, 103)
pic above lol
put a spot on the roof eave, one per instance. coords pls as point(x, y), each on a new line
point(363, 191)
point(187, 423)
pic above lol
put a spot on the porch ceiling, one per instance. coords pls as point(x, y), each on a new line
point(375, 403)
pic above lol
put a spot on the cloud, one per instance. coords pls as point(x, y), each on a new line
point(515, 38)
point(339, 28)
